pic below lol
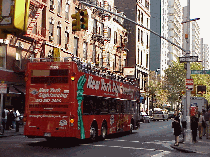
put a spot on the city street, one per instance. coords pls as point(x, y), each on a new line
point(152, 139)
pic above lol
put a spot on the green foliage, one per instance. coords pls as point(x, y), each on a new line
point(175, 77)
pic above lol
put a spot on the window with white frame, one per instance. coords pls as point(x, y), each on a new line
point(115, 37)
point(75, 46)
point(59, 7)
point(85, 50)
point(3, 56)
point(59, 33)
point(67, 8)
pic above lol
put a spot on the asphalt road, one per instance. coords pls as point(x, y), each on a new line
point(151, 140)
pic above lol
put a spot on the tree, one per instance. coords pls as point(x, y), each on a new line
point(175, 77)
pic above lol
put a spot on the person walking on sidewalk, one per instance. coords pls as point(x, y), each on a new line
point(194, 127)
point(13, 119)
point(17, 119)
point(4, 118)
point(177, 129)
point(201, 122)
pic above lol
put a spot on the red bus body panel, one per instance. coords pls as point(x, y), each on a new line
point(50, 107)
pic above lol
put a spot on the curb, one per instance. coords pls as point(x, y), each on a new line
point(182, 149)
point(10, 135)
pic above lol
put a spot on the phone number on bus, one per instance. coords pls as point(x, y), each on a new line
point(48, 100)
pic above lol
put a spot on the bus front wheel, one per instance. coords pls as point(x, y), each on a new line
point(93, 133)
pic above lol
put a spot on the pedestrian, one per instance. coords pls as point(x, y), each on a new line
point(205, 115)
point(201, 124)
point(177, 129)
point(13, 118)
point(9, 120)
point(194, 127)
point(4, 118)
point(17, 119)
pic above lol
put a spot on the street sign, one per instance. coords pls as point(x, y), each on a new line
point(200, 71)
point(189, 84)
point(3, 88)
point(188, 59)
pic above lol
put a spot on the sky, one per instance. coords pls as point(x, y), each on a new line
point(200, 9)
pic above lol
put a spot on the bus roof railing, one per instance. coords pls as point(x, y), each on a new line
point(88, 68)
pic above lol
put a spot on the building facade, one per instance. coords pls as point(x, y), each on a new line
point(139, 40)
point(166, 21)
point(49, 35)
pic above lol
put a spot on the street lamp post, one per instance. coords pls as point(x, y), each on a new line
point(186, 113)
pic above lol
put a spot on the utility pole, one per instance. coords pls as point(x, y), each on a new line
point(188, 134)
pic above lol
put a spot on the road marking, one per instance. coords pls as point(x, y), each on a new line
point(100, 145)
point(161, 154)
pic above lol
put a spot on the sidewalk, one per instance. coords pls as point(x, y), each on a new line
point(202, 146)
point(8, 133)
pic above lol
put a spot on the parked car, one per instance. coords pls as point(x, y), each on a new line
point(144, 117)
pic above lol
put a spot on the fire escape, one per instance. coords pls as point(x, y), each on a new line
point(35, 34)
point(35, 9)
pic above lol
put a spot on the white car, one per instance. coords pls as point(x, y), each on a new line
point(144, 117)
point(160, 115)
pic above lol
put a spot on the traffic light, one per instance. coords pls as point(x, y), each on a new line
point(84, 19)
point(76, 23)
point(14, 16)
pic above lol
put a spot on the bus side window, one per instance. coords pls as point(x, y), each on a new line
point(104, 106)
point(112, 106)
point(118, 107)
point(128, 107)
point(86, 106)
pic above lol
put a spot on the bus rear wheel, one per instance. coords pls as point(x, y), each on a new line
point(103, 132)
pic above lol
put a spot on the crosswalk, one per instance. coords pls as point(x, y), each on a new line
point(157, 152)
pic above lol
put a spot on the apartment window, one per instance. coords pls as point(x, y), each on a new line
point(85, 50)
point(115, 62)
point(115, 37)
point(141, 58)
point(75, 46)
point(147, 58)
point(95, 26)
point(138, 35)
point(102, 29)
point(108, 59)
point(142, 16)
point(120, 66)
point(59, 6)
point(94, 54)
point(141, 37)
point(59, 35)
point(3, 56)
point(52, 6)
point(67, 38)
point(121, 42)
point(147, 22)
point(67, 8)
point(139, 13)
point(51, 29)
point(109, 32)
point(147, 41)
point(138, 56)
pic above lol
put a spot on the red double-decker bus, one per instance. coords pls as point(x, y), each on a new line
point(63, 100)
